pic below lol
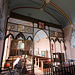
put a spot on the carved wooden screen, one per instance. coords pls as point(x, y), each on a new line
point(29, 45)
point(13, 48)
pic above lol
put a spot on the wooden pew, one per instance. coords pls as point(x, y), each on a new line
point(40, 61)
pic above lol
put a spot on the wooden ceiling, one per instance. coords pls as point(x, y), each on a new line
point(58, 12)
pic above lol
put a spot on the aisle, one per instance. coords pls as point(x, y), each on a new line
point(37, 71)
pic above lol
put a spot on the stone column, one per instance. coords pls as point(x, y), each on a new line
point(3, 21)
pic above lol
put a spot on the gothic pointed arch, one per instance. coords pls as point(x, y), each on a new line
point(57, 40)
point(9, 35)
point(20, 35)
point(52, 39)
point(29, 37)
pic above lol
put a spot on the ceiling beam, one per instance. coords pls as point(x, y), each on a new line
point(30, 19)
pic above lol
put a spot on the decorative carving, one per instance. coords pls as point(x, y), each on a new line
point(21, 28)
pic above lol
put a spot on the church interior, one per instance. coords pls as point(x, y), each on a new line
point(37, 37)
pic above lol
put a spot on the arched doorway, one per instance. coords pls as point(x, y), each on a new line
point(41, 44)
